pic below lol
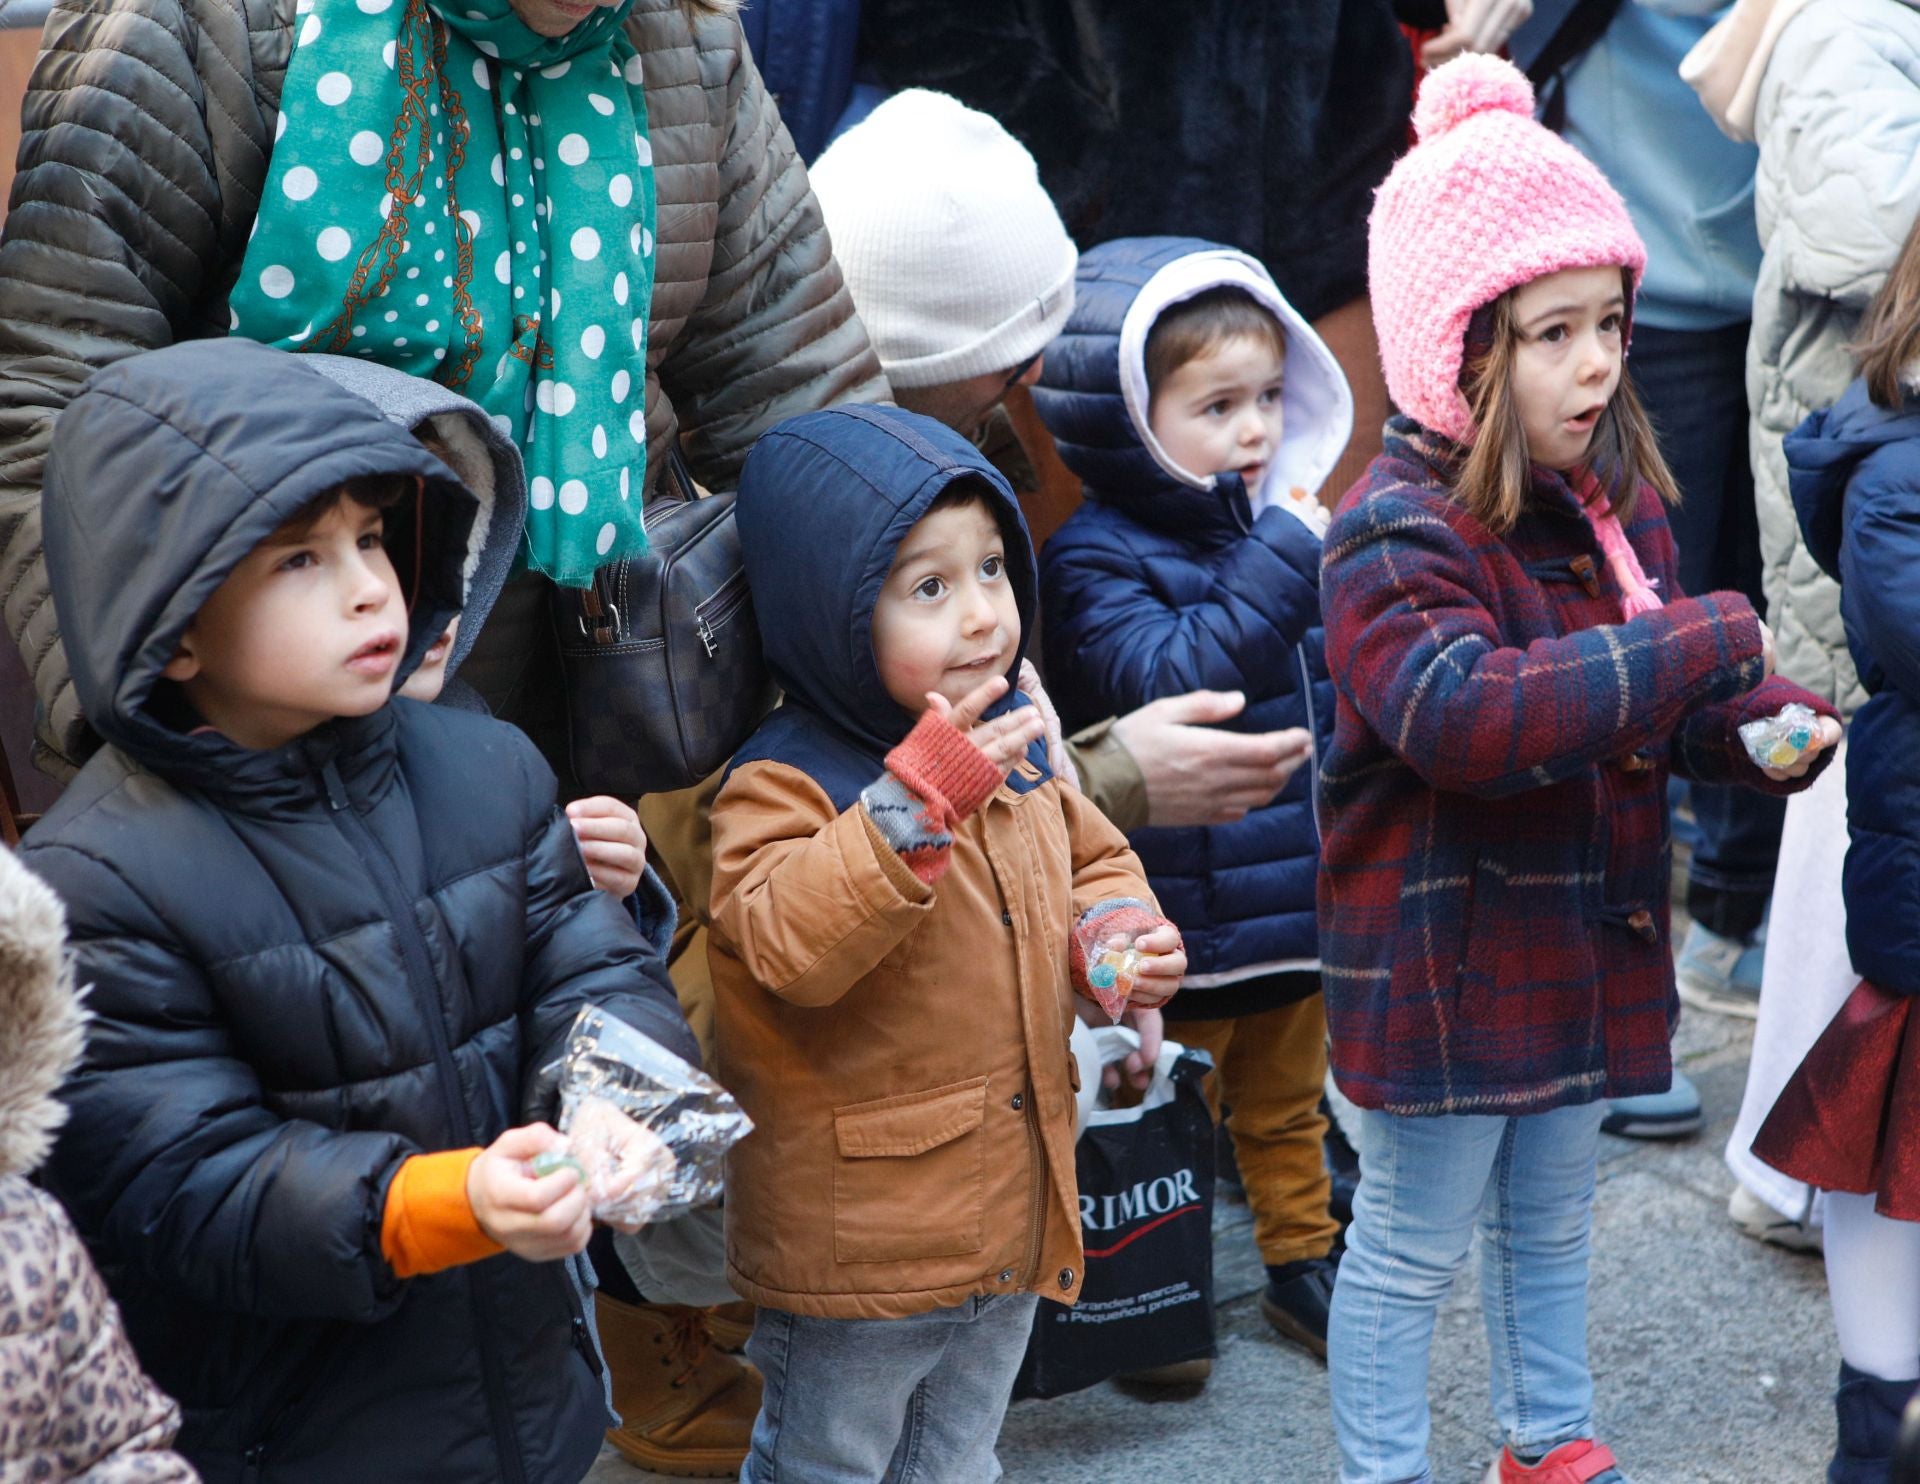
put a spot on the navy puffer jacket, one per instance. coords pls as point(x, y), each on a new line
point(1854, 471)
point(1166, 581)
point(307, 964)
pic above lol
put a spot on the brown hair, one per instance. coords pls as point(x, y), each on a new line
point(1195, 327)
point(1497, 474)
point(1889, 340)
point(372, 491)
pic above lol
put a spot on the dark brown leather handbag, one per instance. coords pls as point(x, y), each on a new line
point(664, 674)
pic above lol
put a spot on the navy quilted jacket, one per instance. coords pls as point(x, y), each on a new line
point(1165, 581)
point(307, 963)
point(1854, 470)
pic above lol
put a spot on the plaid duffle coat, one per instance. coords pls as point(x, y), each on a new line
point(1495, 862)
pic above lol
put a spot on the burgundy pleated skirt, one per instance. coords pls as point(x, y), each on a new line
point(1849, 1117)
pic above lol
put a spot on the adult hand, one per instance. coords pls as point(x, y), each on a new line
point(628, 1164)
point(1475, 26)
point(1163, 965)
point(539, 1219)
point(611, 842)
point(1005, 739)
point(1826, 734)
point(1197, 775)
point(1137, 1066)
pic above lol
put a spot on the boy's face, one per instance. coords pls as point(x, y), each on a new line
point(426, 683)
point(308, 627)
point(946, 620)
point(1220, 412)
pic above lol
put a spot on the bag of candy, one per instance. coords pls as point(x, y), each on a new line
point(1113, 959)
point(647, 1133)
point(1781, 740)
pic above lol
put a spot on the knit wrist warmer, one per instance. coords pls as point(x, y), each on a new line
point(937, 759)
point(914, 828)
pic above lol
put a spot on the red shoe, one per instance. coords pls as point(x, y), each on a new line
point(1582, 1461)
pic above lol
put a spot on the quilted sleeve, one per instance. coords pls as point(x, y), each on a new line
point(136, 119)
point(775, 334)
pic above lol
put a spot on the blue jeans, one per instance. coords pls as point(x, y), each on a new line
point(907, 1401)
point(1694, 385)
point(1425, 1183)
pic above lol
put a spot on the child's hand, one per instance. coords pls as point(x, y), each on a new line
point(540, 1220)
point(628, 1165)
point(1005, 739)
point(1137, 1066)
point(1826, 734)
point(1163, 964)
point(611, 842)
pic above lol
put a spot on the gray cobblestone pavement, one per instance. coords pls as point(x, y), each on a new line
point(1714, 1356)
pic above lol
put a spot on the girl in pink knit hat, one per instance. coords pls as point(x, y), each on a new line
point(1517, 672)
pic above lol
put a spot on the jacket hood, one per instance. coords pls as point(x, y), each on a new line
point(42, 1027)
point(478, 451)
point(1822, 455)
point(165, 471)
point(825, 501)
point(1093, 395)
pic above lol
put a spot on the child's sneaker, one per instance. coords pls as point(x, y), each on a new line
point(1582, 1461)
point(1760, 1221)
point(1298, 1298)
point(1719, 974)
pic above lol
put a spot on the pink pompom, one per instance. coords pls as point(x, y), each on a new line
point(1471, 83)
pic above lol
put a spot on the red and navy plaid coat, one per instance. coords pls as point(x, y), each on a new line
point(1495, 856)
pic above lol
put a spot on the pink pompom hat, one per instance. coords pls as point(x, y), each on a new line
point(1486, 201)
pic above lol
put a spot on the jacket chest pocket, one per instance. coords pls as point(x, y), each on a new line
point(909, 1177)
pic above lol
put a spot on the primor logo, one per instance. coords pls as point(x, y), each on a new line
point(1148, 1199)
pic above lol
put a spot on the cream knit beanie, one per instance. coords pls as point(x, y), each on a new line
point(953, 252)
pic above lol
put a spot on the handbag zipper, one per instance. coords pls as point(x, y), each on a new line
point(726, 600)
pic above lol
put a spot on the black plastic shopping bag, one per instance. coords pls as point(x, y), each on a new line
point(1146, 1222)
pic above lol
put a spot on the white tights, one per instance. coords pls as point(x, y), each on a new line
point(1873, 1279)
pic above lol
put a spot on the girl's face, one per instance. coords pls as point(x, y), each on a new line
point(1566, 365)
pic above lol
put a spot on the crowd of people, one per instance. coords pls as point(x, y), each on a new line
point(1304, 503)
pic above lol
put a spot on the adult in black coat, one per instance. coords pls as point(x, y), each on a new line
point(308, 963)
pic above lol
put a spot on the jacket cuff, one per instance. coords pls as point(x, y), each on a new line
point(1110, 776)
point(428, 1224)
point(937, 761)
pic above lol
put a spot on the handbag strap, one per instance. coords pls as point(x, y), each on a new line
point(1582, 26)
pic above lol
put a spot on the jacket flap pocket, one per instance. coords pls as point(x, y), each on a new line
point(911, 1123)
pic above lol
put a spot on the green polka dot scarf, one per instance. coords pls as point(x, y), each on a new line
point(459, 198)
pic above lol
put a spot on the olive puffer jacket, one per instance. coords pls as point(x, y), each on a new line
point(308, 963)
point(147, 129)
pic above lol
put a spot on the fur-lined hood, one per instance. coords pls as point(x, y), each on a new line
point(42, 1027)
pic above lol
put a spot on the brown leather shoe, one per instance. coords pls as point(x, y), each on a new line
point(731, 1325)
point(686, 1409)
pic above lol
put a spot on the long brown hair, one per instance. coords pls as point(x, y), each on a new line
point(1889, 340)
point(1497, 475)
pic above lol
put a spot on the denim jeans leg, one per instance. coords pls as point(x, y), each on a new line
point(1693, 383)
point(1536, 1227)
point(908, 1401)
point(1422, 1182)
point(953, 1420)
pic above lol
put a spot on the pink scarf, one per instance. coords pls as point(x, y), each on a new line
point(1636, 593)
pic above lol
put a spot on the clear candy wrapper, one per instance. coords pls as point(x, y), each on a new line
point(647, 1133)
point(1113, 961)
point(1781, 740)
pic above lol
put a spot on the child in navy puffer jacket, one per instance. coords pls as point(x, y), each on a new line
point(1202, 413)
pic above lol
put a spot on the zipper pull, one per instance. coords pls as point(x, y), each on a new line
point(336, 789)
point(705, 631)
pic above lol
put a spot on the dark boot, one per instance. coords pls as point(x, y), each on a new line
point(1868, 1411)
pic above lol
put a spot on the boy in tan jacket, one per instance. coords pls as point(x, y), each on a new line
point(897, 879)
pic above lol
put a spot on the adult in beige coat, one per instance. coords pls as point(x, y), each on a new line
point(148, 126)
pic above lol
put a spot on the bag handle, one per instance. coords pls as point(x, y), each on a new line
point(1114, 1042)
point(1585, 24)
